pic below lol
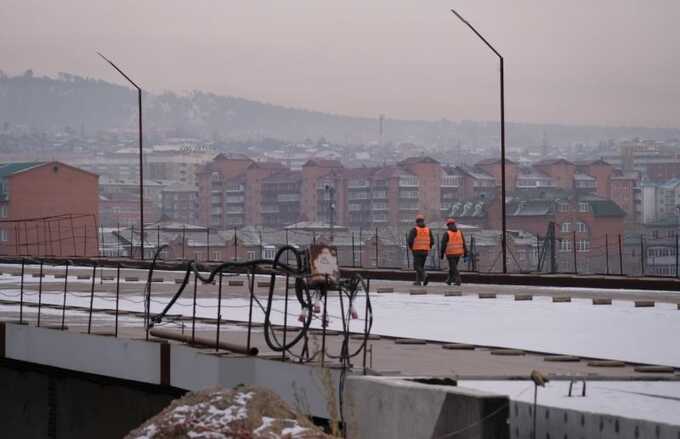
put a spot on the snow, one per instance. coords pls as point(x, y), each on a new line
point(618, 331)
point(648, 400)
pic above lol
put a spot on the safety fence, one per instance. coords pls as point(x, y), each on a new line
point(575, 252)
point(186, 299)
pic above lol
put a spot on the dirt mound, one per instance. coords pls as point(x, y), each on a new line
point(242, 413)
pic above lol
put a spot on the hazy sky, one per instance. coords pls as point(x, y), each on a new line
point(609, 62)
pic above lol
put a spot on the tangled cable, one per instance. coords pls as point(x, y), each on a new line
point(304, 291)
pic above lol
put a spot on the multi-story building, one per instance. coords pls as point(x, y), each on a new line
point(660, 200)
point(281, 199)
point(179, 202)
point(48, 208)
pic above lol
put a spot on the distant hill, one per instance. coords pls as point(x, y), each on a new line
point(82, 103)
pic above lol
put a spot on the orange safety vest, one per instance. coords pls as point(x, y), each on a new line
point(422, 239)
point(455, 245)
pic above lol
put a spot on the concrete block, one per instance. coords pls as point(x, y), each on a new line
point(487, 295)
point(507, 352)
point(606, 363)
point(602, 301)
point(179, 281)
point(453, 293)
point(417, 292)
point(38, 275)
point(60, 276)
point(385, 290)
point(131, 279)
point(561, 359)
point(561, 299)
point(108, 278)
point(157, 279)
point(644, 304)
point(410, 341)
point(396, 408)
point(654, 369)
point(236, 283)
point(522, 297)
point(458, 347)
point(263, 284)
point(83, 277)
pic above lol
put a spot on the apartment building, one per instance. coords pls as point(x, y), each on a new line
point(281, 199)
point(48, 208)
point(235, 191)
point(660, 201)
point(179, 202)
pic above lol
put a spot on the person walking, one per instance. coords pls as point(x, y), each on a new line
point(420, 241)
point(453, 247)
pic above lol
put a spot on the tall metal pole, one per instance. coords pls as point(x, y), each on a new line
point(502, 92)
point(141, 155)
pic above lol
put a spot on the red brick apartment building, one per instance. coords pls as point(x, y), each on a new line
point(48, 208)
point(236, 191)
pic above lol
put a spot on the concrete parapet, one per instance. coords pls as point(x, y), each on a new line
point(395, 408)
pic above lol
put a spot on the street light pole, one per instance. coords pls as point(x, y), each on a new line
point(502, 91)
point(141, 158)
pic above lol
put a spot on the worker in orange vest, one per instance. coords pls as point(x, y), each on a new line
point(453, 247)
point(420, 241)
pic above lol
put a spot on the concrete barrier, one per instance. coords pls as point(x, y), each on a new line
point(384, 290)
point(131, 279)
point(507, 352)
point(561, 299)
point(417, 292)
point(453, 293)
point(83, 277)
point(522, 297)
point(561, 359)
point(113, 357)
point(410, 341)
point(108, 278)
point(602, 301)
point(606, 363)
point(654, 369)
point(458, 347)
point(235, 283)
point(385, 407)
point(644, 304)
point(487, 295)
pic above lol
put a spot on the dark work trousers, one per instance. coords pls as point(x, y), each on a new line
point(419, 259)
point(454, 275)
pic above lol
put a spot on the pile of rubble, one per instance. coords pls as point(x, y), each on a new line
point(242, 413)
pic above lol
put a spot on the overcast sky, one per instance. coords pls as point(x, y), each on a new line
point(602, 62)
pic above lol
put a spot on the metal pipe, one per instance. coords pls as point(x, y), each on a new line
point(89, 319)
point(219, 312)
point(368, 292)
point(204, 341)
point(573, 242)
point(115, 328)
point(21, 289)
point(193, 313)
point(642, 255)
point(502, 101)
point(40, 292)
point(620, 257)
point(63, 305)
point(285, 317)
point(251, 288)
point(606, 250)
